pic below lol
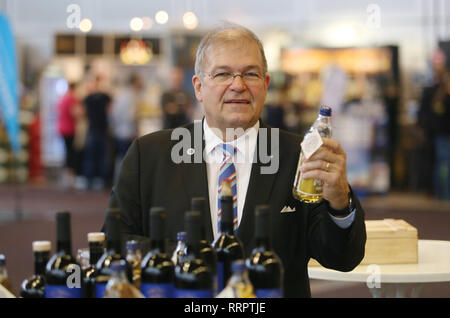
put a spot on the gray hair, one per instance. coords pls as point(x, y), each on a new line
point(225, 33)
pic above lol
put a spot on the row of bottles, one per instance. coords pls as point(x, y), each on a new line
point(196, 268)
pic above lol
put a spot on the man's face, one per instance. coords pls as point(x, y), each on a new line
point(238, 104)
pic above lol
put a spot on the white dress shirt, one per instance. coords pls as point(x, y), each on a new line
point(245, 147)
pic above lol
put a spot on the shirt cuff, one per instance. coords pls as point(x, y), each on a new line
point(344, 222)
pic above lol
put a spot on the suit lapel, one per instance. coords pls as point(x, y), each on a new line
point(259, 188)
point(194, 174)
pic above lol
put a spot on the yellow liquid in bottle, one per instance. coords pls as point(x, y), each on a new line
point(306, 190)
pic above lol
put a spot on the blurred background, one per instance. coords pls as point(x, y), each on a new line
point(79, 80)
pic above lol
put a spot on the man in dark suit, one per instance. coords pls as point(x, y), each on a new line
point(169, 167)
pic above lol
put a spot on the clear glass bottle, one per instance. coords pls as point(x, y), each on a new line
point(134, 258)
point(118, 285)
point(310, 190)
point(4, 279)
point(180, 249)
point(239, 285)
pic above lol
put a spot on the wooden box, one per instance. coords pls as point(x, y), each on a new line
point(389, 241)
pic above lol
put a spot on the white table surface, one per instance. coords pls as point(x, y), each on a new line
point(433, 266)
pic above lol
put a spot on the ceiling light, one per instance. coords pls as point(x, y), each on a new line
point(85, 25)
point(136, 24)
point(161, 17)
point(190, 20)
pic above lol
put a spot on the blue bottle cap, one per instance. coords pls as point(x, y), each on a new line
point(118, 266)
point(133, 245)
point(325, 111)
point(181, 236)
point(238, 266)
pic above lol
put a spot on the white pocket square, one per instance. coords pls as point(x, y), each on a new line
point(287, 209)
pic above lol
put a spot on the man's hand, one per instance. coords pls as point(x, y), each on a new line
point(328, 164)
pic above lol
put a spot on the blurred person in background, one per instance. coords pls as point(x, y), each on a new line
point(69, 109)
point(441, 107)
point(123, 117)
point(434, 118)
point(176, 102)
point(95, 164)
point(273, 111)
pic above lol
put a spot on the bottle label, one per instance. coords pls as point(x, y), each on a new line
point(157, 290)
point(100, 289)
point(269, 293)
point(61, 291)
point(310, 187)
point(311, 143)
point(220, 276)
point(190, 293)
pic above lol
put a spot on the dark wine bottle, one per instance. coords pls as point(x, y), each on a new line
point(96, 241)
point(157, 272)
point(264, 266)
point(63, 273)
point(228, 247)
point(34, 287)
point(207, 252)
point(113, 253)
point(193, 277)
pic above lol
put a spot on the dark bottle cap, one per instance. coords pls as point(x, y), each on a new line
point(157, 223)
point(198, 204)
point(262, 221)
point(192, 226)
point(63, 233)
point(2, 260)
point(113, 228)
point(325, 111)
point(226, 201)
point(227, 216)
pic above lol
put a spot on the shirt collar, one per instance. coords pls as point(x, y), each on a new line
point(245, 144)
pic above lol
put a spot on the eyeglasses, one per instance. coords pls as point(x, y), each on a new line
point(226, 78)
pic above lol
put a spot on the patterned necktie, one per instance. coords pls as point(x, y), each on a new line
point(227, 171)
